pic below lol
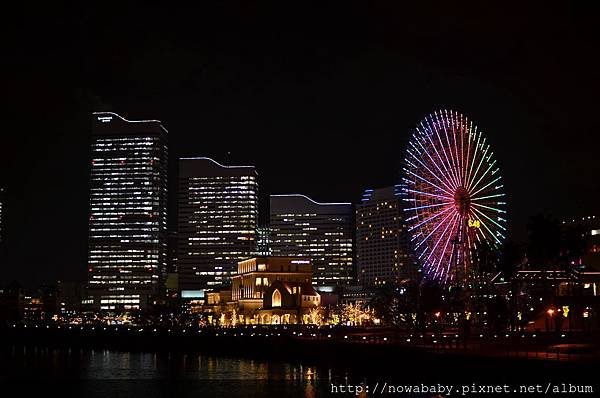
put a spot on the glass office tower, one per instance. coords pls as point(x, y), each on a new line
point(217, 222)
point(1, 213)
point(322, 232)
point(128, 209)
point(263, 241)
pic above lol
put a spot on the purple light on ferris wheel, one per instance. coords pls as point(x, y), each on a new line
point(454, 195)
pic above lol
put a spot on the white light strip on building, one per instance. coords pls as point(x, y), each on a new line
point(306, 197)
point(215, 162)
point(104, 119)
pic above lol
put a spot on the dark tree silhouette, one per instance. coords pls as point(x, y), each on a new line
point(544, 238)
point(512, 257)
point(543, 247)
point(573, 245)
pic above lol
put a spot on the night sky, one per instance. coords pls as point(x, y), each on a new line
point(321, 99)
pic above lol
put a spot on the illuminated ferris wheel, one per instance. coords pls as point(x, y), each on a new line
point(455, 200)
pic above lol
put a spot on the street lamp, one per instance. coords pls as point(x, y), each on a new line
point(550, 313)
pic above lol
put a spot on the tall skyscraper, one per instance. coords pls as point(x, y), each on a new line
point(383, 253)
point(217, 221)
point(1, 214)
point(128, 208)
point(263, 241)
point(322, 232)
point(172, 242)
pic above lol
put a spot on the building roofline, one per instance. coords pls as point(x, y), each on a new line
point(132, 121)
point(313, 201)
point(215, 162)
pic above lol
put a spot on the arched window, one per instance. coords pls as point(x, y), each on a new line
point(276, 299)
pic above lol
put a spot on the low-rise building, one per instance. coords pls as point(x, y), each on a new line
point(288, 302)
point(266, 290)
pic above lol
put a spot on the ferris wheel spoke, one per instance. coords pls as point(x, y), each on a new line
point(447, 184)
point(479, 153)
point(474, 186)
point(481, 159)
point(470, 246)
point(448, 188)
point(499, 195)
point(428, 206)
point(497, 210)
point(475, 151)
point(470, 138)
point(423, 179)
point(414, 167)
point(462, 152)
point(444, 251)
point(453, 252)
point(433, 231)
point(487, 185)
point(438, 225)
point(490, 219)
point(445, 197)
point(416, 236)
point(445, 173)
point(451, 172)
point(436, 215)
point(450, 146)
point(424, 252)
point(480, 230)
point(494, 235)
point(456, 125)
point(441, 237)
point(445, 164)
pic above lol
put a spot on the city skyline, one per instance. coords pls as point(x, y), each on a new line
point(345, 97)
point(296, 199)
point(172, 214)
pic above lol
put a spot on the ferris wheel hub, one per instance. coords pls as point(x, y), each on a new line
point(462, 201)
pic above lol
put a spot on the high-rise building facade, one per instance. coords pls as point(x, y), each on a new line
point(1, 214)
point(322, 232)
point(217, 222)
point(128, 212)
point(263, 241)
point(2, 228)
point(383, 253)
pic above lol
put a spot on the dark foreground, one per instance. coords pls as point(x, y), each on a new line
point(101, 364)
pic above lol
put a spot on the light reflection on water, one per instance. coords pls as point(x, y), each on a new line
point(107, 372)
point(24, 362)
